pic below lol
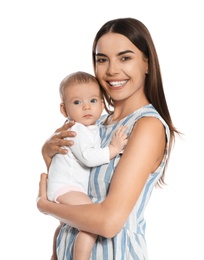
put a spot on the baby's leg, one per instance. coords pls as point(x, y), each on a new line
point(83, 245)
point(74, 198)
point(84, 241)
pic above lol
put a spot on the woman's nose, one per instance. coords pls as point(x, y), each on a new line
point(113, 68)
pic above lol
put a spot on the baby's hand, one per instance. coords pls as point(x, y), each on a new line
point(120, 139)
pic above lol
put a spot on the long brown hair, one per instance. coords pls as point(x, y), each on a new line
point(139, 35)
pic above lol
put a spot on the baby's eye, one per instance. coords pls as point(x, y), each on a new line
point(76, 102)
point(93, 100)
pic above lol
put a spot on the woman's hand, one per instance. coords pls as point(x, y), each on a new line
point(42, 193)
point(56, 142)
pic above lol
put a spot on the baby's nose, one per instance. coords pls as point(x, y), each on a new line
point(87, 106)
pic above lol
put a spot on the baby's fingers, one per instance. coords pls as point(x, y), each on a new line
point(122, 130)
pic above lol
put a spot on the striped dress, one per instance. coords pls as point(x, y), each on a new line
point(130, 243)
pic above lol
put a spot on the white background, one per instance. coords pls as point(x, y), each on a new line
point(44, 40)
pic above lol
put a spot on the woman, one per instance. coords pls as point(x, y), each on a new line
point(127, 67)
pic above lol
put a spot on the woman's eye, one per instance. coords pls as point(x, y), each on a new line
point(102, 60)
point(77, 102)
point(125, 58)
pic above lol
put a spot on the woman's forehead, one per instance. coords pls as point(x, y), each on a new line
point(114, 43)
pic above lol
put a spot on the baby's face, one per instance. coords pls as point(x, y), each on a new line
point(83, 102)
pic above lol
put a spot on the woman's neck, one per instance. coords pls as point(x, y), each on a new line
point(122, 109)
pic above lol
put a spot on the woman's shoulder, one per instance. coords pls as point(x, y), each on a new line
point(148, 110)
point(145, 111)
point(153, 119)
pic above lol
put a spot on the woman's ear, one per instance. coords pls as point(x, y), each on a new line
point(102, 105)
point(63, 109)
point(147, 67)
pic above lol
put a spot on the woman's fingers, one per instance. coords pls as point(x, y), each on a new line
point(43, 186)
point(42, 192)
point(66, 126)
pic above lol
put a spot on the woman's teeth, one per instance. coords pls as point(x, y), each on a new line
point(117, 83)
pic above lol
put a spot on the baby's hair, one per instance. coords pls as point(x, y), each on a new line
point(76, 78)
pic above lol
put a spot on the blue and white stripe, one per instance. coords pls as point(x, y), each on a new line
point(130, 243)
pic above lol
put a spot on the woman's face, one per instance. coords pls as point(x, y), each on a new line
point(120, 66)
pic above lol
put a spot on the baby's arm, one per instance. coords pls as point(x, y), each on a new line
point(118, 142)
point(89, 152)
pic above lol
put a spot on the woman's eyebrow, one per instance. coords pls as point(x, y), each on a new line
point(124, 52)
point(119, 54)
point(100, 54)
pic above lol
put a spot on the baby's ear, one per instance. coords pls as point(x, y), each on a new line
point(63, 109)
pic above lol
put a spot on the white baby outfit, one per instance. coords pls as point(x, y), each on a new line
point(71, 171)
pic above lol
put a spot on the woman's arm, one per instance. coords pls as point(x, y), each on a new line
point(143, 154)
point(56, 142)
